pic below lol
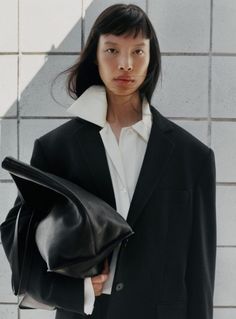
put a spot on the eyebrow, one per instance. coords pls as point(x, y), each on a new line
point(114, 43)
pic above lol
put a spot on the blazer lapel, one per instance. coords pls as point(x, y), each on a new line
point(94, 154)
point(158, 153)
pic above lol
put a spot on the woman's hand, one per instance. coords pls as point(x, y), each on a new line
point(99, 280)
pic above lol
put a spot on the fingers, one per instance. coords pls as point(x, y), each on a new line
point(98, 282)
point(97, 289)
point(99, 279)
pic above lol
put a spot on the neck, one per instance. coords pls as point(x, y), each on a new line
point(124, 110)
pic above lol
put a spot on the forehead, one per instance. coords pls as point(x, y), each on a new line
point(123, 39)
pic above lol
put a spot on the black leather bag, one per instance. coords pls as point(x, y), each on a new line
point(75, 230)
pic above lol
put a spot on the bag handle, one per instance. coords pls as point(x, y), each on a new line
point(20, 273)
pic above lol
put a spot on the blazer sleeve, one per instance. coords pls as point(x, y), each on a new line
point(200, 273)
point(48, 288)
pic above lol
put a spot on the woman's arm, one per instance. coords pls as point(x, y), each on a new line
point(200, 273)
point(49, 288)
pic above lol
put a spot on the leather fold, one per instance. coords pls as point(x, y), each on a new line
point(75, 230)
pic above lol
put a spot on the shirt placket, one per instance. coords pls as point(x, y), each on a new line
point(114, 153)
point(120, 190)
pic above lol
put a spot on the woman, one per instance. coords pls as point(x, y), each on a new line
point(159, 177)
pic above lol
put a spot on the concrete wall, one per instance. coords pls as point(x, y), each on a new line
point(198, 44)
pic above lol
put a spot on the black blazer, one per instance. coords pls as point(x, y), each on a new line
point(167, 268)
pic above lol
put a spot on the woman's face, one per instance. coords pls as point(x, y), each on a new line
point(123, 62)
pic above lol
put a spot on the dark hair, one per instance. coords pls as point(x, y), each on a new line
point(118, 19)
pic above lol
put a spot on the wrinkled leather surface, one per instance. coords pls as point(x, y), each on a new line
point(76, 229)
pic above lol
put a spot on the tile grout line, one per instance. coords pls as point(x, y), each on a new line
point(18, 101)
point(41, 53)
point(82, 24)
point(226, 183)
point(218, 54)
point(18, 81)
point(210, 79)
point(225, 307)
point(175, 118)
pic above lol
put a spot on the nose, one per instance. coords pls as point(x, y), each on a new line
point(125, 64)
point(125, 68)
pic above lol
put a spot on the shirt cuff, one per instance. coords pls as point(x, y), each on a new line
point(89, 296)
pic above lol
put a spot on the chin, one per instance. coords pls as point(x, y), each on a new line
point(122, 91)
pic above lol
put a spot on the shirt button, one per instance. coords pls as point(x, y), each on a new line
point(123, 189)
point(119, 286)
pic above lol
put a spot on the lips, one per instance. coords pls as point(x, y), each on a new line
point(124, 79)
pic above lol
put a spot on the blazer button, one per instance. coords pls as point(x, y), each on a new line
point(119, 286)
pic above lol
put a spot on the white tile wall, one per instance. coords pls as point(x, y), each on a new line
point(223, 142)
point(224, 14)
point(8, 84)
point(8, 145)
point(225, 284)
point(182, 26)
point(8, 192)
point(198, 128)
point(8, 26)
point(8, 312)
point(36, 128)
point(184, 87)
point(224, 313)
point(224, 86)
point(54, 25)
point(37, 74)
point(6, 294)
point(226, 217)
point(197, 92)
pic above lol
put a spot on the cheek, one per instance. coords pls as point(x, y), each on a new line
point(105, 65)
point(143, 66)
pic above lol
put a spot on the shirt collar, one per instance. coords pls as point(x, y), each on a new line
point(143, 127)
point(92, 106)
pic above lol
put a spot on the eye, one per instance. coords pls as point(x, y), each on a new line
point(111, 50)
point(139, 52)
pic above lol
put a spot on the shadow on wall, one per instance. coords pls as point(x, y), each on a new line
point(38, 112)
point(37, 71)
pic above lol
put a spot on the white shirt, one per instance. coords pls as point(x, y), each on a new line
point(124, 158)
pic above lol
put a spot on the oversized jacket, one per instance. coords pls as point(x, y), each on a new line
point(167, 269)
